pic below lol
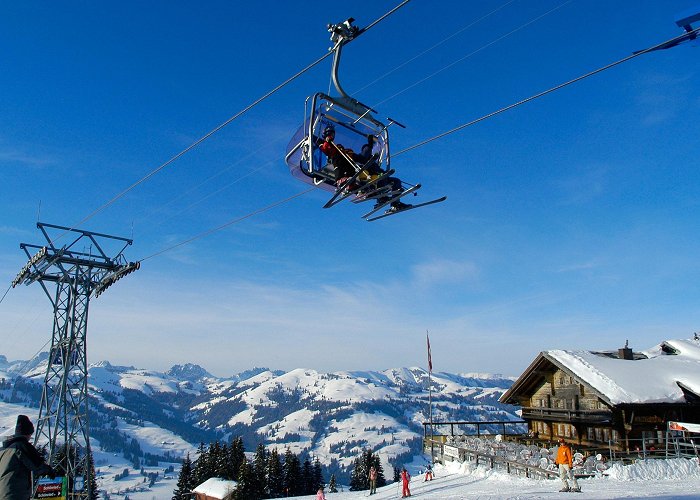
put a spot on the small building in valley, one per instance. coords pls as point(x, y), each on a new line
point(215, 489)
point(612, 398)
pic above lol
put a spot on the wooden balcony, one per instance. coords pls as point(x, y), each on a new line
point(567, 415)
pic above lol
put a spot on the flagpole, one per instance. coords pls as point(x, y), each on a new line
point(430, 398)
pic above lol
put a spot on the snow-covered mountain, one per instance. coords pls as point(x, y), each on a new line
point(151, 416)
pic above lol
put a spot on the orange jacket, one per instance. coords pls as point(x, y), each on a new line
point(564, 455)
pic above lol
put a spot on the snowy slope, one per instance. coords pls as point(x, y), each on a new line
point(334, 416)
point(676, 479)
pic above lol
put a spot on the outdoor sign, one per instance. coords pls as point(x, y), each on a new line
point(451, 451)
point(78, 483)
point(51, 489)
point(683, 426)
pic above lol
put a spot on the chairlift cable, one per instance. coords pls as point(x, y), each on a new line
point(225, 123)
point(151, 213)
point(444, 40)
point(24, 365)
point(201, 140)
point(5, 294)
point(217, 191)
point(381, 18)
point(548, 91)
point(534, 20)
point(229, 223)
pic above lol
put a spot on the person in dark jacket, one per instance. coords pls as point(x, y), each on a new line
point(18, 459)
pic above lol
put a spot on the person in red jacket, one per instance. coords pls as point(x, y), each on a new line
point(405, 479)
point(337, 154)
point(565, 460)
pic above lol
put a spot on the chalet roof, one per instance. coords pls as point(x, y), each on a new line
point(216, 488)
point(666, 373)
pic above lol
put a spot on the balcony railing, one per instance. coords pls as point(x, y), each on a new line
point(566, 414)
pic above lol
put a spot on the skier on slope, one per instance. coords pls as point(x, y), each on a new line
point(428, 473)
point(405, 479)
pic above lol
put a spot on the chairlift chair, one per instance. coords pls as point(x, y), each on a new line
point(354, 124)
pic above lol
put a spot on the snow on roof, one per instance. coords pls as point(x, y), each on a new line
point(652, 379)
point(216, 487)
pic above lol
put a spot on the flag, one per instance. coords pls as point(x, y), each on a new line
point(430, 358)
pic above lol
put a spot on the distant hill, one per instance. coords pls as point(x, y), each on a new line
point(150, 416)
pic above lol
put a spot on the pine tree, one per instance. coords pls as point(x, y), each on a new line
point(217, 462)
point(200, 470)
point(185, 483)
point(221, 468)
point(317, 475)
point(236, 458)
point(275, 475)
point(292, 474)
point(357, 479)
point(307, 478)
point(260, 471)
point(372, 460)
point(246, 486)
point(94, 494)
point(332, 487)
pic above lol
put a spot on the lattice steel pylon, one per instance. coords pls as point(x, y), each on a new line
point(78, 269)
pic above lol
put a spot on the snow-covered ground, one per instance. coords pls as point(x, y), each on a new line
point(664, 479)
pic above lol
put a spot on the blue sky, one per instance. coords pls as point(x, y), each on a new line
point(571, 221)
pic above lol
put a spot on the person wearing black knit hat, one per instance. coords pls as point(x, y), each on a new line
point(18, 460)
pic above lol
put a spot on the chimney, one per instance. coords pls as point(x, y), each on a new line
point(625, 352)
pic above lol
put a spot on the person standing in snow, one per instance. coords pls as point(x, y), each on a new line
point(18, 459)
point(405, 479)
point(320, 495)
point(372, 480)
point(565, 461)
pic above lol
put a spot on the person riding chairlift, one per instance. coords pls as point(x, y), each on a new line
point(337, 155)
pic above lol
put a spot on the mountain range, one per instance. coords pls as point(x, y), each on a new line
point(149, 416)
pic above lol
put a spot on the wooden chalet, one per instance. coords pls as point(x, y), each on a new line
point(616, 398)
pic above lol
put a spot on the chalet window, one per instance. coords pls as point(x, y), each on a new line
point(583, 392)
point(591, 434)
point(561, 380)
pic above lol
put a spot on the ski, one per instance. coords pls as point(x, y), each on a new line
point(419, 205)
point(376, 209)
point(341, 193)
point(375, 191)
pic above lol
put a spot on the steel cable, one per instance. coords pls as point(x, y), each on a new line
point(548, 91)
